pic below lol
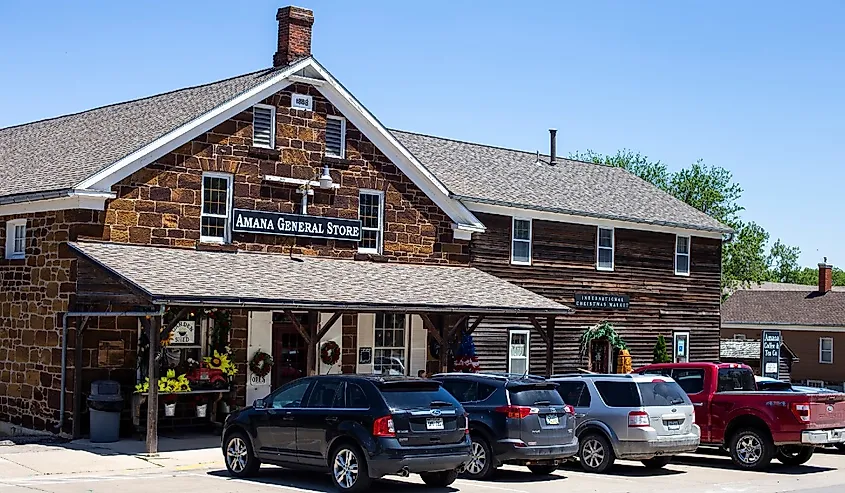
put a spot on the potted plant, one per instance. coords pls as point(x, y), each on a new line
point(202, 406)
point(169, 405)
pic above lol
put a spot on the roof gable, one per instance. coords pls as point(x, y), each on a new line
point(787, 307)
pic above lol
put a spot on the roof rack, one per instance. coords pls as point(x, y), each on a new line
point(493, 374)
point(593, 375)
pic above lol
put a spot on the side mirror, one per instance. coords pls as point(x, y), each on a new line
point(258, 404)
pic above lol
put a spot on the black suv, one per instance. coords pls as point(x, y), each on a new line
point(513, 419)
point(355, 427)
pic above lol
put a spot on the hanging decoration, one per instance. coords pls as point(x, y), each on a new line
point(329, 353)
point(261, 363)
point(602, 330)
point(466, 359)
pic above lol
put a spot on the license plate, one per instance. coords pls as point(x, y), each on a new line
point(434, 423)
point(673, 425)
point(552, 419)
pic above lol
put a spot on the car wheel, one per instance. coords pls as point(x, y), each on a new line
point(794, 455)
point(348, 469)
point(440, 479)
point(481, 460)
point(543, 469)
point(241, 461)
point(657, 462)
point(595, 453)
point(840, 446)
point(751, 449)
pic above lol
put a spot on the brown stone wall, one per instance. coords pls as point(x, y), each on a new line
point(160, 205)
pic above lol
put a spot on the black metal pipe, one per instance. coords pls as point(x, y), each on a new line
point(552, 146)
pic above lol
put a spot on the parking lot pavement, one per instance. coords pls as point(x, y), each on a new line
point(690, 474)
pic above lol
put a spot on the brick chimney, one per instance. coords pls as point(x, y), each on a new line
point(294, 34)
point(825, 277)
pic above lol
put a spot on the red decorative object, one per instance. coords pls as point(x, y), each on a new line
point(329, 353)
point(261, 363)
point(204, 377)
point(467, 364)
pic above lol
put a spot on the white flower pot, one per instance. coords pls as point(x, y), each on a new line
point(170, 410)
point(202, 409)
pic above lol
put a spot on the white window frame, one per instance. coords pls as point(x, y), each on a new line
point(688, 255)
point(342, 137)
point(227, 230)
point(11, 236)
point(272, 125)
point(819, 384)
point(821, 350)
point(406, 334)
point(527, 357)
point(612, 249)
point(380, 241)
point(675, 337)
point(530, 240)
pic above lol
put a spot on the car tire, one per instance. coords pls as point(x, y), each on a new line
point(657, 462)
point(348, 469)
point(543, 469)
point(440, 479)
point(595, 453)
point(751, 449)
point(794, 455)
point(240, 459)
point(840, 447)
point(481, 464)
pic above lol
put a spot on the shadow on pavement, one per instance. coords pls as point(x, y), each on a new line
point(631, 471)
point(726, 463)
point(318, 482)
point(520, 476)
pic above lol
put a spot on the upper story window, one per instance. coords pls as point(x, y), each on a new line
point(604, 249)
point(521, 241)
point(216, 204)
point(335, 136)
point(370, 211)
point(264, 126)
point(682, 263)
point(826, 350)
point(16, 239)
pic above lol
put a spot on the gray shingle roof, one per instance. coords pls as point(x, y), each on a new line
point(183, 275)
point(58, 153)
point(736, 348)
point(510, 177)
point(785, 307)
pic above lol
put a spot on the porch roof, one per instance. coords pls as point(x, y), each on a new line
point(177, 276)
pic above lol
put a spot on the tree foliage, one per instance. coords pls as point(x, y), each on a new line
point(661, 354)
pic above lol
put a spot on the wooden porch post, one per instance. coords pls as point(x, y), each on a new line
point(550, 347)
point(152, 397)
point(77, 378)
point(311, 355)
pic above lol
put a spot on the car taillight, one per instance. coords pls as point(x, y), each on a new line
point(466, 423)
point(567, 409)
point(517, 412)
point(383, 427)
point(801, 411)
point(693, 416)
point(637, 419)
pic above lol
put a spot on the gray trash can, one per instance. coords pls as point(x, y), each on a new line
point(104, 406)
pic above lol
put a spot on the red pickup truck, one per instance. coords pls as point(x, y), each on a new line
point(755, 426)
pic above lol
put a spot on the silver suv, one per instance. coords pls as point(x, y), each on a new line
point(640, 417)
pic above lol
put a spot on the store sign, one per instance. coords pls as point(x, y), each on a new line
point(770, 360)
point(602, 301)
point(365, 355)
point(258, 379)
point(274, 223)
point(184, 333)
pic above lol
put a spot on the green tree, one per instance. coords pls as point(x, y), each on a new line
point(783, 263)
point(744, 259)
point(661, 355)
point(710, 189)
point(653, 172)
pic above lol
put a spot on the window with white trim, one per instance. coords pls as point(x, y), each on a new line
point(819, 384)
point(389, 346)
point(682, 259)
point(518, 349)
point(216, 206)
point(826, 350)
point(604, 249)
point(264, 126)
point(370, 212)
point(335, 136)
point(16, 239)
point(521, 241)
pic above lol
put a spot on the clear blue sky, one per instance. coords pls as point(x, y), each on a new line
point(755, 87)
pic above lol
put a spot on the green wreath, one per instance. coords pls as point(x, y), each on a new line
point(329, 353)
point(261, 363)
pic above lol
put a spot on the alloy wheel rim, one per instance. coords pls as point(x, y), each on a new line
point(749, 449)
point(593, 453)
point(477, 460)
point(236, 455)
point(345, 468)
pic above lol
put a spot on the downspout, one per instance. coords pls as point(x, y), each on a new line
point(65, 317)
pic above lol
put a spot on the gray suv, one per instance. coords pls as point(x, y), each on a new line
point(639, 417)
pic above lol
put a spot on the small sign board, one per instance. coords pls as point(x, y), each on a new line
point(602, 301)
point(301, 102)
point(365, 355)
point(770, 353)
point(274, 223)
point(258, 379)
point(184, 333)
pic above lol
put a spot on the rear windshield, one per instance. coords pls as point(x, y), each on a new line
point(736, 380)
point(662, 394)
point(533, 396)
point(618, 394)
point(416, 397)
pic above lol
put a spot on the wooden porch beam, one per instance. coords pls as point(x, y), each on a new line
point(429, 326)
point(77, 378)
point(328, 325)
point(550, 347)
point(305, 335)
point(539, 329)
point(152, 397)
point(475, 324)
point(450, 335)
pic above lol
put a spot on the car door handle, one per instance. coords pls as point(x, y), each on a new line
point(331, 419)
point(288, 417)
point(697, 404)
point(580, 415)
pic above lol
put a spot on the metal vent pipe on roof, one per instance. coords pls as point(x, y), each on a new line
point(552, 146)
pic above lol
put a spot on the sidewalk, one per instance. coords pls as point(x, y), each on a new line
point(82, 456)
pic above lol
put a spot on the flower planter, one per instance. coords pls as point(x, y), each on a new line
point(202, 410)
point(170, 410)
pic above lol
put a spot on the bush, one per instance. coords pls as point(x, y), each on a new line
point(661, 355)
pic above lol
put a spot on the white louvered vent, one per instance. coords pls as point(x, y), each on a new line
point(263, 123)
point(335, 136)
